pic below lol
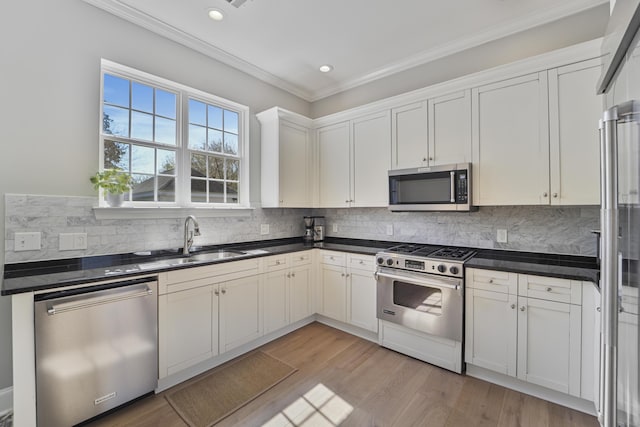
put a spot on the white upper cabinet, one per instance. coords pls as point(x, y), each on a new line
point(353, 160)
point(433, 132)
point(450, 129)
point(333, 165)
point(287, 161)
point(574, 111)
point(371, 148)
point(511, 142)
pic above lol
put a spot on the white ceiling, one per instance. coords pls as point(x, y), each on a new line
point(283, 42)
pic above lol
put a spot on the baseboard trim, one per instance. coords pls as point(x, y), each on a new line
point(6, 399)
point(350, 329)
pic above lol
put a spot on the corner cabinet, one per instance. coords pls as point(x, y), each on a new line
point(286, 159)
point(525, 326)
point(353, 159)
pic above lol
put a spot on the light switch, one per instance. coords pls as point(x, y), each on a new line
point(72, 241)
point(502, 235)
point(389, 229)
point(264, 229)
point(31, 241)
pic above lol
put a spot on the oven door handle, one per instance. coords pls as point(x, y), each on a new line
point(420, 282)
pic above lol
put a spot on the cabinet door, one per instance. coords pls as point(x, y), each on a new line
point(333, 166)
point(549, 335)
point(300, 293)
point(511, 142)
point(450, 129)
point(240, 312)
point(574, 111)
point(276, 307)
point(362, 300)
point(409, 136)
point(589, 376)
point(295, 170)
point(491, 330)
point(628, 399)
point(191, 328)
point(371, 154)
point(333, 288)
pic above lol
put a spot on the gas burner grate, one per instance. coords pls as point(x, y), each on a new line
point(452, 253)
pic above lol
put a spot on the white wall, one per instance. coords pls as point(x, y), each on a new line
point(49, 84)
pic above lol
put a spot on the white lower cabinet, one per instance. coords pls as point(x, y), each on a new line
point(240, 319)
point(536, 339)
point(348, 289)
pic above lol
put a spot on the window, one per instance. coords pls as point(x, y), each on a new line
point(181, 146)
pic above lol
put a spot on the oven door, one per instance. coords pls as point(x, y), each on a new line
point(425, 302)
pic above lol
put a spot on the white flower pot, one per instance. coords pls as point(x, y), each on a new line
point(114, 200)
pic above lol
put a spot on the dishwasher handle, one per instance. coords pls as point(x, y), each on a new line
point(120, 295)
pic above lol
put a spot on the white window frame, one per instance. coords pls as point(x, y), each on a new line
point(183, 161)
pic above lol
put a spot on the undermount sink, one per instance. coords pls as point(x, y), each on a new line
point(207, 256)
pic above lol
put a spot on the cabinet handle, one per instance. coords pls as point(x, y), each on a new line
point(277, 262)
point(549, 289)
point(288, 275)
point(598, 309)
point(301, 258)
point(361, 262)
point(346, 201)
point(544, 194)
point(217, 292)
point(513, 306)
point(431, 158)
point(555, 195)
point(347, 275)
point(490, 280)
point(224, 291)
point(522, 308)
point(342, 274)
point(424, 159)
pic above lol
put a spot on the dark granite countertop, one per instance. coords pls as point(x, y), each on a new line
point(42, 275)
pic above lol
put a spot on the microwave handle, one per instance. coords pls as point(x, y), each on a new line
point(453, 186)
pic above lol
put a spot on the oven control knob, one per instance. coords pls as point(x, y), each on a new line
point(454, 270)
point(442, 268)
point(390, 261)
point(380, 260)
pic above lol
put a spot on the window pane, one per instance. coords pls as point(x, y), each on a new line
point(233, 167)
point(116, 155)
point(215, 141)
point(230, 121)
point(198, 165)
point(230, 143)
point(232, 192)
point(115, 121)
point(141, 126)
point(198, 190)
point(216, 168)
point(216, 192)
point(197, 112)
point(166, 104)
point(141, 97)
point(215, 117)
point(116, 90)
point(166, 189)
point(197, 137)
point(143, 188)
point(142, 160)
point(166, 162)
point(165, 131)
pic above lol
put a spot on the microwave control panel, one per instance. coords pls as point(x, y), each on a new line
point(462, 187)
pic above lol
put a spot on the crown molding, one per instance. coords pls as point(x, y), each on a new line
point(128, 13)
point(533, 20)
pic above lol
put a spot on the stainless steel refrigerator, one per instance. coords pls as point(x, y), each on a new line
point(619, 397)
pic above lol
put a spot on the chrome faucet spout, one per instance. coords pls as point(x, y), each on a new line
point(189, 235)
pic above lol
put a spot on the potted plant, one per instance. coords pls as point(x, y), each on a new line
point(115, 182)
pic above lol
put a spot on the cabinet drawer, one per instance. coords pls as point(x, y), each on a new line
point(550, 289)
point(276, 262)
point(490, 280)
point(333, 258)
point(301, 258)
point(363, 262)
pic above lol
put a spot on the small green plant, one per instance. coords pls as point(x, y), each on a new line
point(113, 181)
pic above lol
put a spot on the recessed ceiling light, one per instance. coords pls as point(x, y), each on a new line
point(216, 15)
point(326, 68)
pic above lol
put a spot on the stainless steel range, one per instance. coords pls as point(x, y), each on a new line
point(421, 288)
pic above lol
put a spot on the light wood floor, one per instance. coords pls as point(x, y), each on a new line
point(371, 386)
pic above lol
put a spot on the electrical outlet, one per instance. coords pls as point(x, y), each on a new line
point(501, 235)
point(389, 229)
point(264, 229)
point(31, 241)
point(335, 228)
point(72, 241)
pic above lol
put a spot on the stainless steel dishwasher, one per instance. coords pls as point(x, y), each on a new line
point(96, 348)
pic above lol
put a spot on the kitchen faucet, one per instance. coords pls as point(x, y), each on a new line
point(188, 235)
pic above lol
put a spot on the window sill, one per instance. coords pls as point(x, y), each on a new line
point(130, 212)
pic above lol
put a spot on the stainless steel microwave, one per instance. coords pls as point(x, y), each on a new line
point(436, 188)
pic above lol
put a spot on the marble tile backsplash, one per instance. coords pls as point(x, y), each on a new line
point(563, 230)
